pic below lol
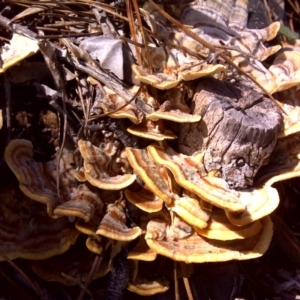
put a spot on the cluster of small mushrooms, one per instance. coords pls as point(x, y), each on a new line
point(191, 177)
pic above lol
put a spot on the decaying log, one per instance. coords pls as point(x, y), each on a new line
point(236, 134)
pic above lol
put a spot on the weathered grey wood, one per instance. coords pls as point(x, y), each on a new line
point(237, 132)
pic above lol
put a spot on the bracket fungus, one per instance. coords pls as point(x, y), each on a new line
point(97, 167)
point(199, 249)
point(38, 180)
point(188, 174)
point(113, 225)
point(26, 231)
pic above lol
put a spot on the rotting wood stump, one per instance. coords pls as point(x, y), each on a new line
point(237, 132)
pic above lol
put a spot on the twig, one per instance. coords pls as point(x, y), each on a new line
point(96, 264)
point(177, 295)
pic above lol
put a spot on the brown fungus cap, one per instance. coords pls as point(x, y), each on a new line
point(113, 225)
point(187, 172)
point(151, 130)
point(219, 228)
point(197, 249)
point(145, 200)
point(37, 180)
point(157, 178)
point(96, 165)
point(192, 211)
point(174, 115)
point(26, 231)
point(160, 81)
point(147, 287)
point(82, 204)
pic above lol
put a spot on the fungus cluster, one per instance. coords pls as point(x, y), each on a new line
point(201, 189)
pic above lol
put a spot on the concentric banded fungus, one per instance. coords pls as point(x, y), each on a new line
point(35, 178)
point(219, 23)
point(82, 204)
point(145, 200)
point(198, 249)
point(219, 228)
point(113, 225)
point(148, 288)
point(151, 130)
point(187, 173)
point(38, 181)
point(97, 170)
point(26, 231)
point(191, 210)
point(155, 177)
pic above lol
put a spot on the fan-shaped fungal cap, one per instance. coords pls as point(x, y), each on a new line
point(190, 210)
point(219, 228)
point(198, 249)
point(38, 181)
point(155, 177)
point(94, 245)
point(264, 200)
point(113, 225)
point(187, 172)
point(148, 288)
point(196, 71)
point(151, 130)
point(96, 165)
point(26, 231)
point(145, 200)
point(160, 81)
point(82, 204)
point(34, 179)
point(173, 115)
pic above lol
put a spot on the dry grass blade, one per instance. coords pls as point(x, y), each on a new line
point(133, 30)
point(27, 12)
point(176, 286)
point(214, 50)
